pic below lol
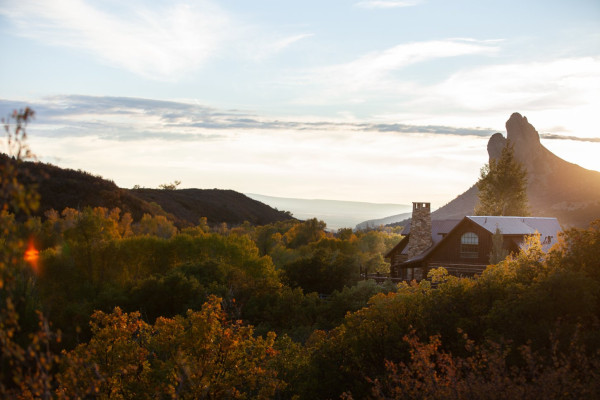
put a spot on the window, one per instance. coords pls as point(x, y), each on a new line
point(469, 245)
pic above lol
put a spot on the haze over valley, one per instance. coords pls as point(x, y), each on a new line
point(336, 214)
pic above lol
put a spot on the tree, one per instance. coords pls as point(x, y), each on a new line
point(201, 355)
point(15, 195)
point(503, 186)
point(304, 233)
point(168, 186)
point(26, 357)
point(579, 250)
point(485, 372)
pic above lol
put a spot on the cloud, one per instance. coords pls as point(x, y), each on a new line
point(264, 46)
point(386, 4)
point(373, 73)
point(433, 129)
point(125, 118)
point(553, 93)
point(531, 86)
point(287, 41)
point(160, 43)
point(565, 137)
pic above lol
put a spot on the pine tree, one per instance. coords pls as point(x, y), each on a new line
point(503, 186)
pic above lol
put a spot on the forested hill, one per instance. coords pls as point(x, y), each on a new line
point(215, 204)
point(60, 188)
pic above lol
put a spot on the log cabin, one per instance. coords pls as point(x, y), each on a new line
point(461, 246)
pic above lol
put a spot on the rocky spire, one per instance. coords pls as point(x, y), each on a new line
point(495, 145)
point(525, 140)
point(520, 131)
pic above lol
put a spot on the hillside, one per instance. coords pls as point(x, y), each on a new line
point(555, 187)
point(60, 188)
point(215, 204)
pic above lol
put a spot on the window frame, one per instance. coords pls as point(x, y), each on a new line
point(469, 245)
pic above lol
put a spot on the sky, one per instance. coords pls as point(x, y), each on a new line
point(367, 100)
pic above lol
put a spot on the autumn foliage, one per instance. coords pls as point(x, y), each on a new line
point(199, 355)
point(97, 304)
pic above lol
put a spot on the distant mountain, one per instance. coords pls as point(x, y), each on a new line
point(555, 187)
point(336, 213)
point(215, 204)
point(60, 188)
point(373, 223)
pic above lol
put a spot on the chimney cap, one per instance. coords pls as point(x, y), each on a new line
point(421, 204)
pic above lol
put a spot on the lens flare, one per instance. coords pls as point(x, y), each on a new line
point(32, 256)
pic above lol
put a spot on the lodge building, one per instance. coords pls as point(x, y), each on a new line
point(461, 246)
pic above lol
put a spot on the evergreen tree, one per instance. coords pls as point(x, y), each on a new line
point(503, 186)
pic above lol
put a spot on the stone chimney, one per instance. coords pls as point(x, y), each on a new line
point(420, 230)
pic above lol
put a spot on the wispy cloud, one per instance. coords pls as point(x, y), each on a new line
point(535, 85)
point(158, 43)
point(387, 4)
point(285, 42)
point(264, 46)
point(562, 94)
point(373, 72)
point(574, 138)
point(124, 119)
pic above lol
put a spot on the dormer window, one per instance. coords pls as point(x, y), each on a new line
point(469, 245)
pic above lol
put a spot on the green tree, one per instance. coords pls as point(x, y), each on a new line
point(503, 186)
point(168, 186)
point(323, 272)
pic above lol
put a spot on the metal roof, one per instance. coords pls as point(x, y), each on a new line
point(517, 225)
point(548, 228)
